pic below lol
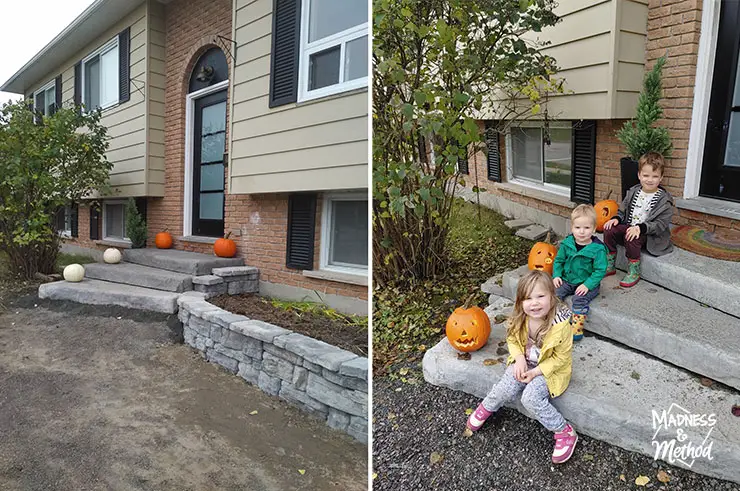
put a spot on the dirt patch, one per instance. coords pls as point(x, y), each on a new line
point(329, 326)
point(96, 397)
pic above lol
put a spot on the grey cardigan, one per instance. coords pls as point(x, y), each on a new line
point(657, 226)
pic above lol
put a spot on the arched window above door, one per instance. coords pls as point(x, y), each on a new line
point(210, 69)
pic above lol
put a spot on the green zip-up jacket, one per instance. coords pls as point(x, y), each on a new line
point(587, 266)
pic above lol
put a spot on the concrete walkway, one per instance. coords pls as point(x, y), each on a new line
point(98, 398)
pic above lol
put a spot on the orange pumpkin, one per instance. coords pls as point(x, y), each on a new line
point(163, 240)
point(605, 210)
point(468, 328)
point(542, 256)
point(225, 247)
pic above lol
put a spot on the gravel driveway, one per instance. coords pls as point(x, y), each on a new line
point(418, 424)
point(106, 398)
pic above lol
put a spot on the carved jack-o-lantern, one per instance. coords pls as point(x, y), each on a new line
point(542, 256)
point(468, 328)
point(605, 210)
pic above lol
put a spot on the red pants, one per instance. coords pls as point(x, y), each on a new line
point(615, 235)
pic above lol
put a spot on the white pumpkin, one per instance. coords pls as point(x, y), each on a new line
point(112, 256)
point(74, 273)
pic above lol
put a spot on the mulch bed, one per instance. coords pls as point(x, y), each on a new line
point(338, 330)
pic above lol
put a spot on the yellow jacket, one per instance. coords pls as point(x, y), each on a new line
point(556, 361)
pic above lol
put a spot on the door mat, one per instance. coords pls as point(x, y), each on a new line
point(723, 245)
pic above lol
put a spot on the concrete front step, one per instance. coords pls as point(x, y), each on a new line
point(664, 324)
point(97, 292)
point(138, 275)
point(710, 281)
point(191, 263)
point(611, 397)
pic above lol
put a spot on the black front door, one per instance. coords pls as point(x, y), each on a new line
point(208, 165)
point(720, 175)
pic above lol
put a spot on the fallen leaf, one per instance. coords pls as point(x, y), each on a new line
point(622, 478)
point(399, 389)
point(463, 356)
point(588, 456)
point(707, 382)
point(422, 347)
point(642, 480)
point(635, 375)
point(502, 343)
point(468, 411)
point(375, 475)
point(253, 412)
point(663, 476)
point(403, 371)
point(490, 361)
point(435, 458)
point(736, 410)
point(391, 416)
point(301, 471)
point(468, 432)
point(499, 319)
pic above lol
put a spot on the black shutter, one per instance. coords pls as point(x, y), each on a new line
point(493, 159)
point(75, 220)
point(301, 228)
point(59, 219)
point(286, 33)
point(78, 86)
point(584, 162)
point(462, 163)
point(40, 104)
point(95, 218)
point(124, 66)
point(57, 93)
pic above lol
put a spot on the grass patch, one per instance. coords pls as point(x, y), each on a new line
point(65, 260)
point(409, 317)
point(303, 308)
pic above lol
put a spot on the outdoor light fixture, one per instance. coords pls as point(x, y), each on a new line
point(205, 74)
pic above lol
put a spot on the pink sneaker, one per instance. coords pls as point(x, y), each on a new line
point(479, 416)
point(565, 443)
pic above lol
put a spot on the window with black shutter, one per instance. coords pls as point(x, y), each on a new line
point(74, 220)
point(493, 157)
point(124, 65)
point(301, 229)
point(95, 222)
point(584, 162)
point(286, 34)
point(78, 86)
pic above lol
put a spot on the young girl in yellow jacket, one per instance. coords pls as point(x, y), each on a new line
point(540, 363)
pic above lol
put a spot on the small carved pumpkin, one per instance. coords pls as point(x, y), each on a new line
point(605, 210)
point(225, 247)
point(74, 273)
point(468, 328)
point(163, 240)
point(542, 256)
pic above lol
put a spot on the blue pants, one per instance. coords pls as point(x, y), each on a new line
point(580, 302)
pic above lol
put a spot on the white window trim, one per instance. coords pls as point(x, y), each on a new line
point(113, 43)
point(523, 181)
point(702, 97)
point(307, 49)
point(105, 223)
point(187, 223)
point(326, 231)
point(51, 84)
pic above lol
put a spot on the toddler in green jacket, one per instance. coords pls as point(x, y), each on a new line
point(579, 266)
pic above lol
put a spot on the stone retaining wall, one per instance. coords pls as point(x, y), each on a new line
point(319, 378)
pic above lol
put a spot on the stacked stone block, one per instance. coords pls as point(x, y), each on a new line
point(321, 379)
point(233, 280)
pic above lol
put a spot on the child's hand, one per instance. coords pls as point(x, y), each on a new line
point(527, 377)
point(581, 290)
point(557, 282)
point(520, 367)
point(632, 233)
point(609, 224)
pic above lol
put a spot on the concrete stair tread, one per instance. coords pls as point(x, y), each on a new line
point(707, 280)
point(611, 397)
point(532, 232)
point(139, 275)
point(98, 292)
point(664, 324)
point(186, 262)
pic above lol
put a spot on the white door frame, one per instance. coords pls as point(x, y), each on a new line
point(187, 224)
point(702, 96)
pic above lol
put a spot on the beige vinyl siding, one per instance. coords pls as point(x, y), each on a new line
point(316, 145)
point(126, 123)
point(155, 100)
point(599, 46)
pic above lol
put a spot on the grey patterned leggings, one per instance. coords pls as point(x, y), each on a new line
point(535, 398)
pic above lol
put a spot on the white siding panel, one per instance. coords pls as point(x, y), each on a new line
point(567, 7)
point(338, 155)
point(584, 52)
point(634, 17)
point(257, 48)
point(582, 24)
point(127, 178)
point(349, 177)
point(629, 76)
point(587, 79)
point(632, 47)
point(253, 12)
point(626, 105)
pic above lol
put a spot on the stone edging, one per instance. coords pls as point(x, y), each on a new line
point(319, 378)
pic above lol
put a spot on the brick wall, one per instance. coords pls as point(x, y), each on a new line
point(608, 153)
point(673, 29)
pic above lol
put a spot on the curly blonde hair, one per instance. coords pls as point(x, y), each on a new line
point(518, 319)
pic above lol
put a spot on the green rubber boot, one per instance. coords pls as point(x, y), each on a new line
point(633, 275)
point(610, 260)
